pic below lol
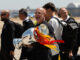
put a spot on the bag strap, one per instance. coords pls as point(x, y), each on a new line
point(72, 20)
point(60, 22)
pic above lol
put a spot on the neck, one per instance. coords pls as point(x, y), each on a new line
point(6, 20)
point(24, 18)
point(64, 18)
point(53, 14)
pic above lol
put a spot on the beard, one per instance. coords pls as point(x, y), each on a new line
point(3, 19)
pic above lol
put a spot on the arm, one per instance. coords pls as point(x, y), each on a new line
point(10, 35)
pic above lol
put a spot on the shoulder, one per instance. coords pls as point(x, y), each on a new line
point(48, 25)
point(54, 21)
point(27, 21)
point(71, 19)
point(10, 23)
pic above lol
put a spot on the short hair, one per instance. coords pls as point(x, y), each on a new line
point(23, 11)
point(50, 6)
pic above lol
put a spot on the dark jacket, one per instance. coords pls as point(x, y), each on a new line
point(26, 52)
point(41, 52)
point(7, 36)
point(27, 24)
point(7, 40)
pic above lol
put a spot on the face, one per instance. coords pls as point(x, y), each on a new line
point(4, 16)
point(63, 13)
point(21, 16)
point(39, 15)
point(48, 14)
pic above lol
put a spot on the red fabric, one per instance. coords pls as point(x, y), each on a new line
point(44, 40)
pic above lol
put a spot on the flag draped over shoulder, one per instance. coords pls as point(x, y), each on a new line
point(46, 40)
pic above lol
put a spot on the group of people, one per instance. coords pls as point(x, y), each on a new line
point(46, 15)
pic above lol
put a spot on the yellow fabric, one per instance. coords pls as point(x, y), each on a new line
point(59, 57)
point(53, 47)
point(46, 36)
point(50, 46)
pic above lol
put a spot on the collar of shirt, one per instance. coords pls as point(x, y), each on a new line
point(67, 18)
point(26, 19)
point(54, 16)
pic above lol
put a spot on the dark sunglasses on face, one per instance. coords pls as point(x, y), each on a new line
point(3, 14)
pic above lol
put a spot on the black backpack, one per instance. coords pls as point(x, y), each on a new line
point(78, 37)
point(69, 34)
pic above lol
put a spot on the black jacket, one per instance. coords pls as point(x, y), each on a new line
point(27, 24)
point(26, 52)
point(41, 52)
point(7, 36)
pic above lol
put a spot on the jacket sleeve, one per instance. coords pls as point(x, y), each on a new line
point(10, 35)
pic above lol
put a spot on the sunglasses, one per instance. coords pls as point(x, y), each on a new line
point(3, 14)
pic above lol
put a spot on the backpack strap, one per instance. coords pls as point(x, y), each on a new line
point(60, 22)
point(72, 20)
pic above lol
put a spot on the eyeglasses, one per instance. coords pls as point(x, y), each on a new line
point(3, 14)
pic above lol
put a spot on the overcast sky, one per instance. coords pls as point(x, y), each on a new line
point(18, 4)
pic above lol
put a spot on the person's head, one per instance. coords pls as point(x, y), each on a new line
point(5, 15)
point(63, 13)
point(50, 10)
point(40, 15)
point(22, 14)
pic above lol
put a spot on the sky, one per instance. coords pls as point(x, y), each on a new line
point(18, 4)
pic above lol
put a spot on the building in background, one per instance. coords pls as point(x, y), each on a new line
point(74, 9)
point(73, 5)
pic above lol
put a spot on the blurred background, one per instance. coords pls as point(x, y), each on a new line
point(73, 7)
point(30, 5)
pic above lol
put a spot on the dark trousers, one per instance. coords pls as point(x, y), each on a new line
point(43, 54)
point(55, 57)
point(26, 53)
point(64, 56)
point(75, 50)
point(77, 57)
point(0, 56)
point(36, 53)
point(4, 55)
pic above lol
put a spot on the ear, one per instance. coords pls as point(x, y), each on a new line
point(8, 15)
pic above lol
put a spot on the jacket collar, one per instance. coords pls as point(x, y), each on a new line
point(26, 19)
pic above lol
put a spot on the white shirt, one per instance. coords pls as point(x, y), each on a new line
point(57, 31)
point(57, 27)
point(67, 18)
point(26, 19)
